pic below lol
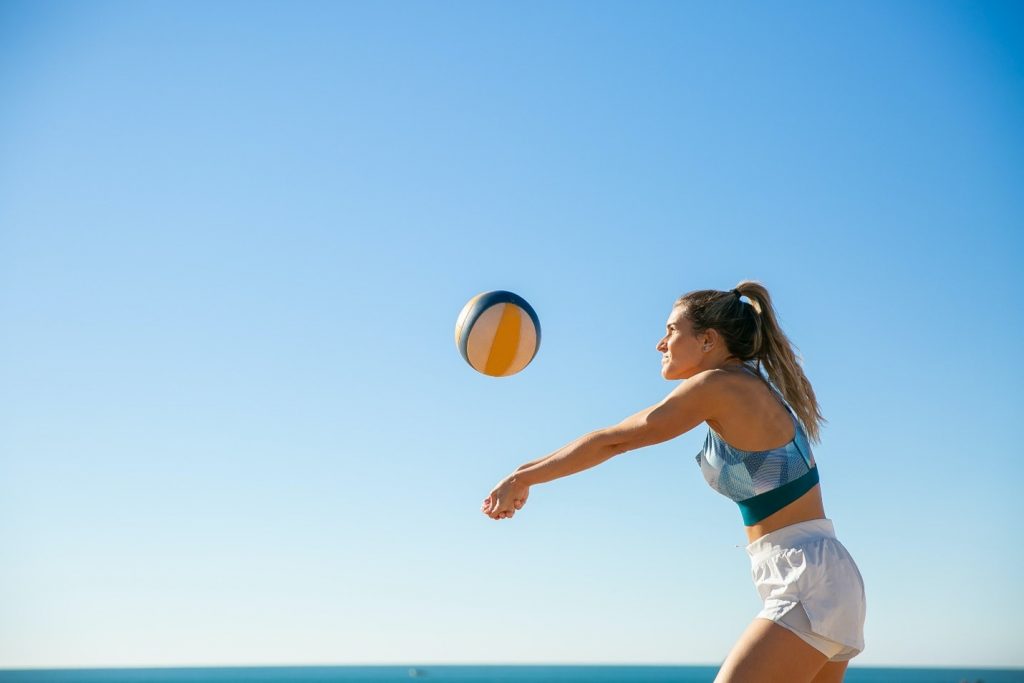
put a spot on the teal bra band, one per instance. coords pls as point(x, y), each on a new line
point(760, 506)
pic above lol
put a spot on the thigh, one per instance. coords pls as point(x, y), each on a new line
point(769, 653)
point(832, 672)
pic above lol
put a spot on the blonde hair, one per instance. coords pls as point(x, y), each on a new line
point(752, 333)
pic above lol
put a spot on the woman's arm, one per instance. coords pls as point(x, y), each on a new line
point(579, 455)
point(689, 404)
point(582, 454)
point(533, 462)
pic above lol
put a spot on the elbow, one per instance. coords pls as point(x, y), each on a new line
point(613, 443)
point(636, 434)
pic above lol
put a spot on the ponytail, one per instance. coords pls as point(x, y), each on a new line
point(752, 333)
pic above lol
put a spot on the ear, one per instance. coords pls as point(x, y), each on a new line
point(710, 338)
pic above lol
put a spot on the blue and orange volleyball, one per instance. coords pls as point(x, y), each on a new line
point(498, 333)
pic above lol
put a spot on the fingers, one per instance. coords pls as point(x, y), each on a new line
point(494, 511)
point(498, 510)
point(493, 508)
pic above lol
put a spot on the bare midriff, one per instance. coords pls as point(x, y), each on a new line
point(803, 509)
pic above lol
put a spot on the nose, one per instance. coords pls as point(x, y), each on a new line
point(661, 345)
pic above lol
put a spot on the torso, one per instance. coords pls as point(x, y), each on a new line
point(807, 507)
point(753, 419)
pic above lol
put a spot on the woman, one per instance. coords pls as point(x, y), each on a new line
point(814, 605)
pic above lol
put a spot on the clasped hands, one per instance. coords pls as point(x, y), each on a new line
point(507, 497)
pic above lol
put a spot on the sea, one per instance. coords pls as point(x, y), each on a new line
point(476, 674)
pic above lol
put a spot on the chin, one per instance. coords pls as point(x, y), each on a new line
point(675, 375)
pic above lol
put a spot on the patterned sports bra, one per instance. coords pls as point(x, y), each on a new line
point(760, 482)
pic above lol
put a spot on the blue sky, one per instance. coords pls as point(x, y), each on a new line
point(234, 239)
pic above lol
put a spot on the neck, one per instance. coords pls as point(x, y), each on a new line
point(729, 363)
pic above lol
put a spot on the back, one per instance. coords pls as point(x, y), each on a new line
point(761, 482)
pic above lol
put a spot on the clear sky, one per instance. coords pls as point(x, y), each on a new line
point(234, 239)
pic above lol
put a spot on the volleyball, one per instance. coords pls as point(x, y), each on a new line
point(498, 333)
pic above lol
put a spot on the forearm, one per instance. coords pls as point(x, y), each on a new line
point(535, 462)
point(583, 453)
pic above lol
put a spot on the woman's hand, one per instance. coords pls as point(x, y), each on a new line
point(507, 497)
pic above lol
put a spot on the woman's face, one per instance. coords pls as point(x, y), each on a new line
point(681, 351)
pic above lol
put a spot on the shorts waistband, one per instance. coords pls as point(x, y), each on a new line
point(789, 537)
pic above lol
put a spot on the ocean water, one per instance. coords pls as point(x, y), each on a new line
point(476, 674)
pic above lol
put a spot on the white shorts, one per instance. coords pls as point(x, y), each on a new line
point(810, 584)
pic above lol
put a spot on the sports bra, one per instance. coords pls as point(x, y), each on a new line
point(760, 482)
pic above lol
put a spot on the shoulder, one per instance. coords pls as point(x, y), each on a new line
point(722, 389)
point(719, 380)
point(708, 390)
